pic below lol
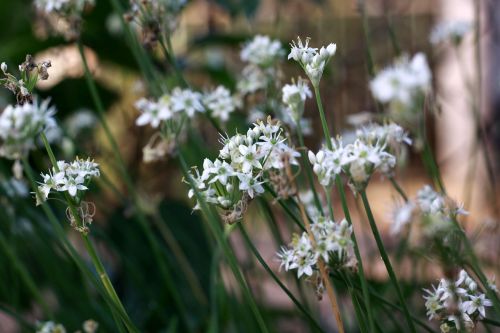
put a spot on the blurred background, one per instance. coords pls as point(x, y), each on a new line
point(207, 44)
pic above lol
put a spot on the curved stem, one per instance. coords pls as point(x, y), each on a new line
point(398, 188)
point(276, 279)
point(89, 246)
point(386, 260)
point(141, 218)
point(361, 271)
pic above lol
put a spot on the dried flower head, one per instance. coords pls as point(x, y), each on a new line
point(29, 74)
point(62, 17)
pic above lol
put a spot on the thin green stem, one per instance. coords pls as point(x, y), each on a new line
point(329, 202)
point(89, 246)
point(276, 279)
point(324, 123)
point(141, 218)
point(386, 260)
point(73, 254)
point(398, 188)
point(24, 275)
point(361, 271)
point(214, 224)
point(308, 167)
point(366, 31)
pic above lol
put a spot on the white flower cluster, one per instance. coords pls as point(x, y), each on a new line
point(312, 61)
point(402, 82)
point(68, 177)
point(71, 6)
point(261, 54)
point(458, 302)
point(371, 151)
point(20, 124)
point(169, 106)
point(239, 171)
point(50, 327)
point(89, 326)
point(432, 209)
point(452, 31)
point(294, 97)
point(332, 243)
point(262, 51)
point(220, 103)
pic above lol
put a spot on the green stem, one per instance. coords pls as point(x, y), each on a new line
point(308, 167)
point(398, 188)
point(330, 203)
point(90, 248)
point(24, 274)
point(361, 271)
point(214, 224)
point(71, 251)
point(276, 279)
point(153, 242)
point(324, 123)
point(386, 260)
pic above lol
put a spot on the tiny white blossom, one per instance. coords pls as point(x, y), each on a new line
point(20, 124)
point(452, 31)
point(312, 60)
point(294, 97)
point(262, 51)
point(68, 177)
point(403, 81)
point(186, 100)
point(153, 113)
point(220, 103)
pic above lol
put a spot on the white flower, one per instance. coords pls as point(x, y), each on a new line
point(220, 103)
point(262, 51)
point(477, 303)
point(20, 124)
point(3, 66)
point(249, 158)
point(249, 184)
point(332, 243)
point(252, 79)
point(294, 97)
point(401, 216)
point(452, 31)
point(153, 113)
point(432, 304)
point(50, 327)
point(68, 177)
point(327, 164)
point(50, 6)
point(312, 61)
point(221, 171)
point(456, 302)
point(237, 175)
point(403, 81)
point(186, 100)
point(429, 201)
